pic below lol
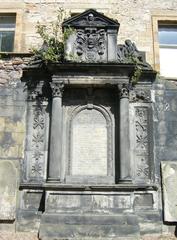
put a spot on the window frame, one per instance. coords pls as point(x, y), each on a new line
point(4, 30)
point(18, 27)
point(165, 19)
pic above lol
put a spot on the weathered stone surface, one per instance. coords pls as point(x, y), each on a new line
point(104, 204)
point(169, 176)
point(143, 201)
point(11, 70)
point(61, 202)
point(89, 226)
point(5, 235)
point(32, 200)
point(149, 221)
point(89, 143)
point(28, 221)
point(8, 189)
point(98, 43)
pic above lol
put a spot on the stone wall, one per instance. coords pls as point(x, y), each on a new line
point(12, 135)
point(13, 125)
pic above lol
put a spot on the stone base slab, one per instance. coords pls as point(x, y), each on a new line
point(66, 226)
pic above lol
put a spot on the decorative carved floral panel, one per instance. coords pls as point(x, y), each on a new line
point(36, 152)
point(142, 144)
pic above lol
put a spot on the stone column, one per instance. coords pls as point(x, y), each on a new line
point(125, 167)
point(55, 154)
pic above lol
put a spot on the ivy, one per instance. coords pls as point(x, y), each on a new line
point(136, 76)
point(138, 71)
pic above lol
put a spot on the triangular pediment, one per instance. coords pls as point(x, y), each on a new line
point(91, 18)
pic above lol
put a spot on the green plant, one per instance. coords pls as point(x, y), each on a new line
point(138, 71)
point(52, 49)
point(136, 76)
point(67, 33)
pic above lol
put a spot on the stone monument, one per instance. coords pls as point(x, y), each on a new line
point(88, 167)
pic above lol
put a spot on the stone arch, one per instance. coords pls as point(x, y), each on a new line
point(90, 141)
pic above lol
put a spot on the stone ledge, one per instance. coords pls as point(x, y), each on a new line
point(85, 187)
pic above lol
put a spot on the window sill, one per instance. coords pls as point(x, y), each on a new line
point(15, 54)
point(168, 78)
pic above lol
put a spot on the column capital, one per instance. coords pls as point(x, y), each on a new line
point(123, 90)
point(57, 88)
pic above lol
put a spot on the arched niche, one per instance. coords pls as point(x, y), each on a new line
point(90, 142)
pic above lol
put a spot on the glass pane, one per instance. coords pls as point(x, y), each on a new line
point(6, 41)
point(7, 21)
point(168, 34)
point(168, 60)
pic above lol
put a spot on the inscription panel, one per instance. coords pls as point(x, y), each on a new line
point(79, 202)
point(89, 143)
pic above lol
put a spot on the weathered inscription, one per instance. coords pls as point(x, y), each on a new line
point(89, 143)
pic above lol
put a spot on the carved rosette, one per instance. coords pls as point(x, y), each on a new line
point(57, 89)
point(142, 144)
point(38, 140)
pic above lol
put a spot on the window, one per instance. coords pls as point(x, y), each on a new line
point(7, 32)
point(167, 35)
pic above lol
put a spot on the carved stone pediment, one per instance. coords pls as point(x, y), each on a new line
point(94, 38)
point(91, 18)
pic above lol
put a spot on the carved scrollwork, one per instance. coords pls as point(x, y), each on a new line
point(142, 143)
point(34, 94)
point(140, 95)
point(57, 88)
point(141, 128)
point(90, 42)
point(123, 90)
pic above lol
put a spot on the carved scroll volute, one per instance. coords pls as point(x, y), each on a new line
point(34, 94)
point(123, 90)
point(57, 89)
